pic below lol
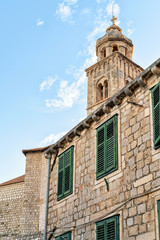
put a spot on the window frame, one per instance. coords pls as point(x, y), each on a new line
point(104, 223)
point(156, 141)
point(70, 190)
point(68, 234)
point(115, 129)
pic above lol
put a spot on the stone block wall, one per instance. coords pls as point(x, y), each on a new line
point(11, 203)
point(133, 189)
point(33, 213)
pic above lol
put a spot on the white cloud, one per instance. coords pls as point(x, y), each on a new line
point(67, 96)
point(112, 6)
point(64, 10)
point(68, 93)
point(46, 84)
point(130, 31)
point(51, 139)
point(71, 2)
point(40, 22)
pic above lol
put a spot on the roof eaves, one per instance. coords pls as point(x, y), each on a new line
point(116, 99)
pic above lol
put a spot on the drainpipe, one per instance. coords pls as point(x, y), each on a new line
point(47, 196)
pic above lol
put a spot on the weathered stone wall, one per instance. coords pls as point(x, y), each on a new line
point(34, 193)
point(22, 205)
point(133, 189)
point(116, 69)
point(11, 202)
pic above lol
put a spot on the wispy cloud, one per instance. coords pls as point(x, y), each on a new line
point(130, 29)
point(46, 84)
point(51, 139)
point(113, 8)
point(65, 11)
point(39, 22)
point(69, 93)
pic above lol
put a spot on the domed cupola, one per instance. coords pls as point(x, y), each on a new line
point(114, 68)
point(113, 41)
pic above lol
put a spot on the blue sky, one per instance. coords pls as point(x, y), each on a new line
point(45, 47)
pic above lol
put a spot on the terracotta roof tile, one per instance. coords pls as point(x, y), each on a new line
point(15, 180)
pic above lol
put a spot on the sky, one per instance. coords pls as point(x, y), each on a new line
point(45, 47)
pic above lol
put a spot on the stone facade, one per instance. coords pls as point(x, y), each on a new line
point(11, 203)
point(131, 191)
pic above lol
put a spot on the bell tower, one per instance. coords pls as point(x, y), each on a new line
point(114, 67)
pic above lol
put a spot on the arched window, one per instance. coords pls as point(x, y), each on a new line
point(106, 89)
point(99, 92)
point(103, 53)
point(126, 52)
point(114, 48)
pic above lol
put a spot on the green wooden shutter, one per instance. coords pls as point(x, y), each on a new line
point(66, 236)
point(68, 170)
point(60, 176)
point(110, 146)
point(107, 147)
point(100, 150)
point(112, 228)
point(100, 231)
point(108, 229)
point(156, 113)
point(65, 174)
point(158, 209)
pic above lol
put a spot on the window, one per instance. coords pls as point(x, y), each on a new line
point(156, 114)
point(158, 209)
point(107, 147)
point(66, 236)
point(108, 229)
point(103, 52)
point(106, 89)
point(65, 174)
point(114, 48)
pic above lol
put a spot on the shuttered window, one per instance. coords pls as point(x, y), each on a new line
point(158, 209)
point(65, 174)
point(107, 147)
point(108, 229)
point(66, 236)
point(156, 114)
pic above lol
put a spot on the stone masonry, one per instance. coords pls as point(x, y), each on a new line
point(133, 189)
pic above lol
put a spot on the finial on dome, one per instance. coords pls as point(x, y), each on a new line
point(114, 19)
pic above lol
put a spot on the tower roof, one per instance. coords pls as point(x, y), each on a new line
point(113, 33)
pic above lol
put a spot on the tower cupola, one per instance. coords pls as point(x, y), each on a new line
point(113, 41)
point(114, 68)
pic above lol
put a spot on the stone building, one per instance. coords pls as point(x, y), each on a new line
point(103, 180)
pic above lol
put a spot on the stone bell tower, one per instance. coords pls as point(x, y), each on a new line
point(114, 67)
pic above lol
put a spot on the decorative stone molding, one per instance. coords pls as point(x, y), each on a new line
point(95, 118)
point(127, 91)
point(85, 124)
point(116, 101)
point(155, 70)
point(60, 145)
point(77, 133)
point(68, 139)
point(106, 109)
point(141, 82)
